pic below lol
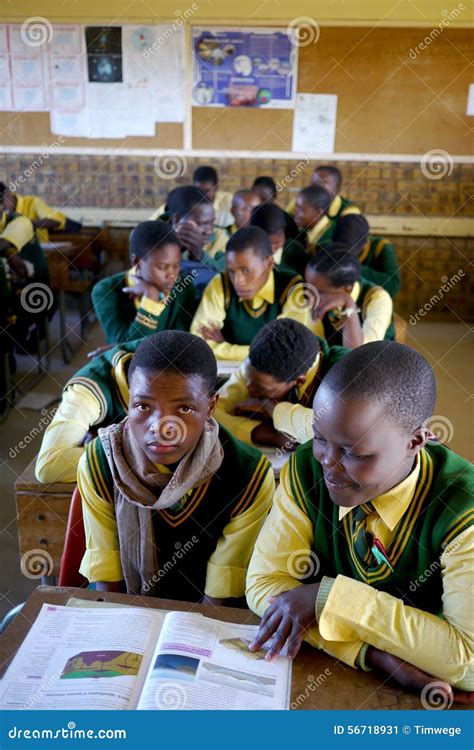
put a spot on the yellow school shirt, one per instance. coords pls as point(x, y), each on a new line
point(212, 310)
point(377, 314)
point(18, 232)
point(35, 208)
point(318, 230)
point(294, 420)
point(226, 568)
point(352, 614)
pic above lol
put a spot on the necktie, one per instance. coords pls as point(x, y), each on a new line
point(361, 540)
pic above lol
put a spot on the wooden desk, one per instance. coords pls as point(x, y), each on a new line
point(42, 512)
point(335, 686)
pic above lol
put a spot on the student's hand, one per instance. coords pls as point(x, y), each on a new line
point(143, 288)
point(287, 620)
point(268, 405)
point(212, 333)
point(99, 350)
point(191, 237)
point(412, 678)
point(17, 265)
point(249, 408)
point(265, 434)
point(332, 301)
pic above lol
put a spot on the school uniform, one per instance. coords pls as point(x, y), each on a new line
point(222, 205)
point(417, 605)
point(375, 311)
point(213, 526)
point(338, 207)
point(294, 416)
point(95, 396)
point(35, 208)
point(19, 232)
point(323, 230)
point(292, 256)
point(240, 320)
point(379, 264)
point(124, 319)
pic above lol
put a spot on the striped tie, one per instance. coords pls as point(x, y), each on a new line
point(362, 541)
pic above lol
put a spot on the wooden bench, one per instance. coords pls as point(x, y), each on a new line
point(42, 513)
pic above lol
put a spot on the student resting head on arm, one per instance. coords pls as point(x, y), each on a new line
point(172, 503)
point(237, 303)
point(368, 549)
point(343, 307)
point(268, 401)
point(151, 296)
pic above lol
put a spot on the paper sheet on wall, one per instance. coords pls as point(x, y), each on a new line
point(314, 124)
point(26, 49)
point(470, 100)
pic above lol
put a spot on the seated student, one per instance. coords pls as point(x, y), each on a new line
point(243, 203)
point(267, 189)
point(151, 296)
point(169, 474)
point(43, 217)
point(375, 505)
point(269, 399)
point(346, 309)
point(286, 253)
point(376, 255)
point(96, 396)
point(251, 292)
point(330, 178)
point(206, 179)
point(311, 217)
point(19, 244)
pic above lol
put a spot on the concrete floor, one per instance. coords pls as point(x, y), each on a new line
point(448, 346)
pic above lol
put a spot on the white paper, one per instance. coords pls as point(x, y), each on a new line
point(72, 124)
point(314, 124)
point(470, 100)
point(6, 100)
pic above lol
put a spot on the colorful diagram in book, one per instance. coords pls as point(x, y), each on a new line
point(175, 667)
point(96, 664)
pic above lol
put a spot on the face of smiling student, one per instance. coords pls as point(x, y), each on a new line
point(167, 413)
point(248, 272)
point(362, 451)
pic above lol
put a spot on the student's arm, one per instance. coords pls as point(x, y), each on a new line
point(61, 448)
point(233, 392)
point(294, 420)
point(295, 307)
point(17, 233)
point(48, 217)
point(227, 566)
point(285, 539)
point(113, 312)
point(101, 562)
point(443, 647)
point(376, 314)
point(385, 271)
point(211, 312)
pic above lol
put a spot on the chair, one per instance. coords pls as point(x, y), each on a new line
point(74, 546)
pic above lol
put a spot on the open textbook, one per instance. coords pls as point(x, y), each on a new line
point(136, 658)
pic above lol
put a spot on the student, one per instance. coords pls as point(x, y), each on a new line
point(250, 293)
point(169, 478)
point(345, 309)
point(286, 253)
point(243, 203)
point(311, 217)
point(151, 296)
point(330, 178)
point(266, 188)
point(268, 400)
point(42, 216)
point(206, 179)
point(96, 396)
point(19, 244)
point(376, 255)
point(370, 506)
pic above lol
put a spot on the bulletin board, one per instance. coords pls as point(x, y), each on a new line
point(393, 98)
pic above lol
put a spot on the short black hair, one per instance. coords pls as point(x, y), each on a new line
point(317, 196)
point(352, 230)
point(151, 235)
point(337, 263)
point(205, 174)
point(3, 190)
point(250, 237)
point(182, 200)
point(243, 193)
point(177, 352)
point(269, 217)
point(393, 374)
point(333, 171)
point(284, 349)
point(267, 182)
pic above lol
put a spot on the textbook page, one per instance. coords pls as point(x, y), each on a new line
point(82, 659)
point(200, 663)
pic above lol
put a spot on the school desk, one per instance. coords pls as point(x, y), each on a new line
point(334, 685)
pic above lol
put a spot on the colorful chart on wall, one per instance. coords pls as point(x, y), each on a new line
point(251, 68)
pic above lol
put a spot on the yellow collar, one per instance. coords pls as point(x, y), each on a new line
point(315, 232)
point(266, 293)
point(355, 291)
point(335, 206)
point(20, 204)
point(120, 375)
point(393, 504)
point(278, 255)
point(310, 375)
